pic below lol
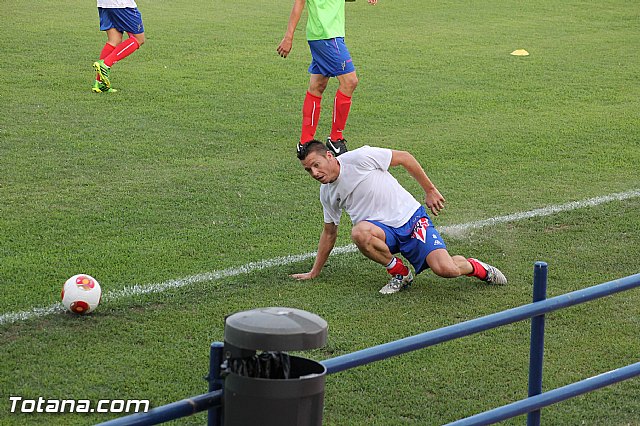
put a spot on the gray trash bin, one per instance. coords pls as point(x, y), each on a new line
point(272, 387)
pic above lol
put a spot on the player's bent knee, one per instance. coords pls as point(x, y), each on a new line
point(362, 233)
point(350, 84)
point(359, 235)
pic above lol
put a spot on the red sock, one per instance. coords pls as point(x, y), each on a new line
point(478, 269)
point(341, 107)
point(399, 268)
point(121, 51)
point(106, 51)
point(310, 116)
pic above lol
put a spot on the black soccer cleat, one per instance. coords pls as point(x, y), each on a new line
point(300, 150)
point(338, 147)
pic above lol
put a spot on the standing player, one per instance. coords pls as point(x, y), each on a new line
point(386, 218)
point(116, 17)
point(329, 58)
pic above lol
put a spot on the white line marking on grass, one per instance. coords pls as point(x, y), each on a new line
point(456, 230)
point(544, 211)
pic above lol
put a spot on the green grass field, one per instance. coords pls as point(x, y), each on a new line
point(190, 168)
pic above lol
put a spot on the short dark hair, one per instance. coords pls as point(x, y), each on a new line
point(313, 145)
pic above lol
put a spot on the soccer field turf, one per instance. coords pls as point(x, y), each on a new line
point(190, 168)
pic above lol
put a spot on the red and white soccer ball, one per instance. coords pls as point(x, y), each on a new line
point(81, 294)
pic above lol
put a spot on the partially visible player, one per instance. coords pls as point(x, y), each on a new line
point(116, 18)
point(329, 58)
point(386, 218)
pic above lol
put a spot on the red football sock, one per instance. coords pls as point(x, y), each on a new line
point(310, 117)
point(478, 269)
point(121, 51)
point(341, 107)
point(398, 268)
point(106, 51)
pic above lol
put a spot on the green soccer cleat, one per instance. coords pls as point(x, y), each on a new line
point(103, 71)
point(100, 87)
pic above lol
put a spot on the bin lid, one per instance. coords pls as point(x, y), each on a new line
point(275, 329)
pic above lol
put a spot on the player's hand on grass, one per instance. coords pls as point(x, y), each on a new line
point(374, 2)
point(306, 276)
point(285, 47)
point(434, 201)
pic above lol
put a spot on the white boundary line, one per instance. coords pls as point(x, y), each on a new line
point(12, 317)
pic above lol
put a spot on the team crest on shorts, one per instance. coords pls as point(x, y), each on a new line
point(420, 229)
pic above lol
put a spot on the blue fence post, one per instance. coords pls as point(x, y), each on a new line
point(215, 381)
point(536, 349)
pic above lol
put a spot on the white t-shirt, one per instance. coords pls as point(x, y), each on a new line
point(366, 190)
point(116, 4)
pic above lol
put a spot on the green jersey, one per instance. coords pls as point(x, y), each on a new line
point(325, 19)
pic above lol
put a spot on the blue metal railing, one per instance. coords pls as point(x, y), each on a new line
point(532, 405)
point(444, 334)
point(536, 348)
point(175, 410)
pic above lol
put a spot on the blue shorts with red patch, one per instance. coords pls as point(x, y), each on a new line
point(414, 240)
point(125, 19)
point(330, 57)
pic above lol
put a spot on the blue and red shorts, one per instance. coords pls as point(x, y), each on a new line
point(414, 240)
point(126, 19)
point(330, 57)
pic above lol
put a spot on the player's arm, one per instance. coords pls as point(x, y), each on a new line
point(434, 200)
point(326, 244)
point(287, 42)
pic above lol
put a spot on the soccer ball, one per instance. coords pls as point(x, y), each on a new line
point(81, 294)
